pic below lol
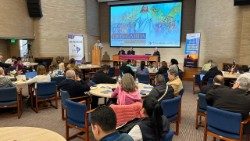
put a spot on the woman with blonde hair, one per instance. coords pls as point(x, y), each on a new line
point(42, 76)
point(127, 92)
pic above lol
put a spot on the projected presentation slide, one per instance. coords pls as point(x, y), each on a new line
point(146, 25)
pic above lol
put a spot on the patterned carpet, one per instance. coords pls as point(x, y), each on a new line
point(51, 119)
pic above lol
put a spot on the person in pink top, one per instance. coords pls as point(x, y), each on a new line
point(127, 92)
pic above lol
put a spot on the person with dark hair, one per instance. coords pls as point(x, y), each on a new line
point(125, 69)
point(131, 51)
point(218, 82)
point(121, 52)
point(157, 53)
point(102, 76)
point(2, 64)
point(153, 126)
point(174, 63)
point(161, 91)
point(103, 124)
point(142, 69)
point(72, 66)
point(164, 68)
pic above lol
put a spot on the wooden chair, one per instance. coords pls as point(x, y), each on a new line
point(171, 109)
point(224, 125)
point(9, 98)
point(44, 92)
point(201, 109)
point(77, 117)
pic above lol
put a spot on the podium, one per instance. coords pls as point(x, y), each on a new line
point(96, 56)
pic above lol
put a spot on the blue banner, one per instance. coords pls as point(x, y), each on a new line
point(192, 50)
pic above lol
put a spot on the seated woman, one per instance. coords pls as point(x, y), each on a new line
point(55, 72)
point(174, 80)
point(60, 63)
point(161, 91)
point(153, 126)
point(142, 70)
point(42, 76)
point(5, 82)
point(127, 92)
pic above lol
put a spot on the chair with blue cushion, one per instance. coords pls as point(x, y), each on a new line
point(44, 92)
point(30, 74)
point(201, 109)
point(168, 136)
point(58, 79)
point(9, 98)
point(64, 96)
point(143, 78)
point(76, 117)
point(224, 125)
point(171, 109)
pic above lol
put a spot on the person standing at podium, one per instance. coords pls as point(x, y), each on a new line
point(131, 51)
point(157, 53)
point(121, 52)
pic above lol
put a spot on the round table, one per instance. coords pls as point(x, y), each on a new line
point(28, 134)
point(105, 90)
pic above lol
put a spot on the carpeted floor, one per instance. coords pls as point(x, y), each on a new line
point(51, 119)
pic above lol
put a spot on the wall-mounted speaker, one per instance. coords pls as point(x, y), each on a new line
point(34, 8)
point(241, 2)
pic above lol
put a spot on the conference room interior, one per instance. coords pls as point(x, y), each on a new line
point(46, 35)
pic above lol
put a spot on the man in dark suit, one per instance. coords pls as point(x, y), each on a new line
point(234, 100)
point(74, 87)
point(131, 52)
point(218, 82)
point(101, 76)
point(121, 52)
point(211, 73)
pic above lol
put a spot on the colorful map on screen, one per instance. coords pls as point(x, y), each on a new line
point(146, 25)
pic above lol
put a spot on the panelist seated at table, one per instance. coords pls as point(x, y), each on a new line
point(131, 51)
point(42, 76)
point(161, 91)
point(5, 82)
point(73, 85)
point(121, 52)
point(101, 76)
point(127, 92)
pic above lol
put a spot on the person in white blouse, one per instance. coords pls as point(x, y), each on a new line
point(153, 126)
point(42, 76)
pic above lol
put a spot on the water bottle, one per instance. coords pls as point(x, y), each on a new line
point(136, 81)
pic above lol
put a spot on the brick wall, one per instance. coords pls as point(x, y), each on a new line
point(60, 18)
point(225, 31)
point(15, 21)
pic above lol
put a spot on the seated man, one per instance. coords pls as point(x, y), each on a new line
point(125, 69)
point(103, 124)
point(74, 87)
point(218, 82)
point(211, 73)
point(161, 91)
point(5, 82)
point(102, 76)
point(235, 100)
